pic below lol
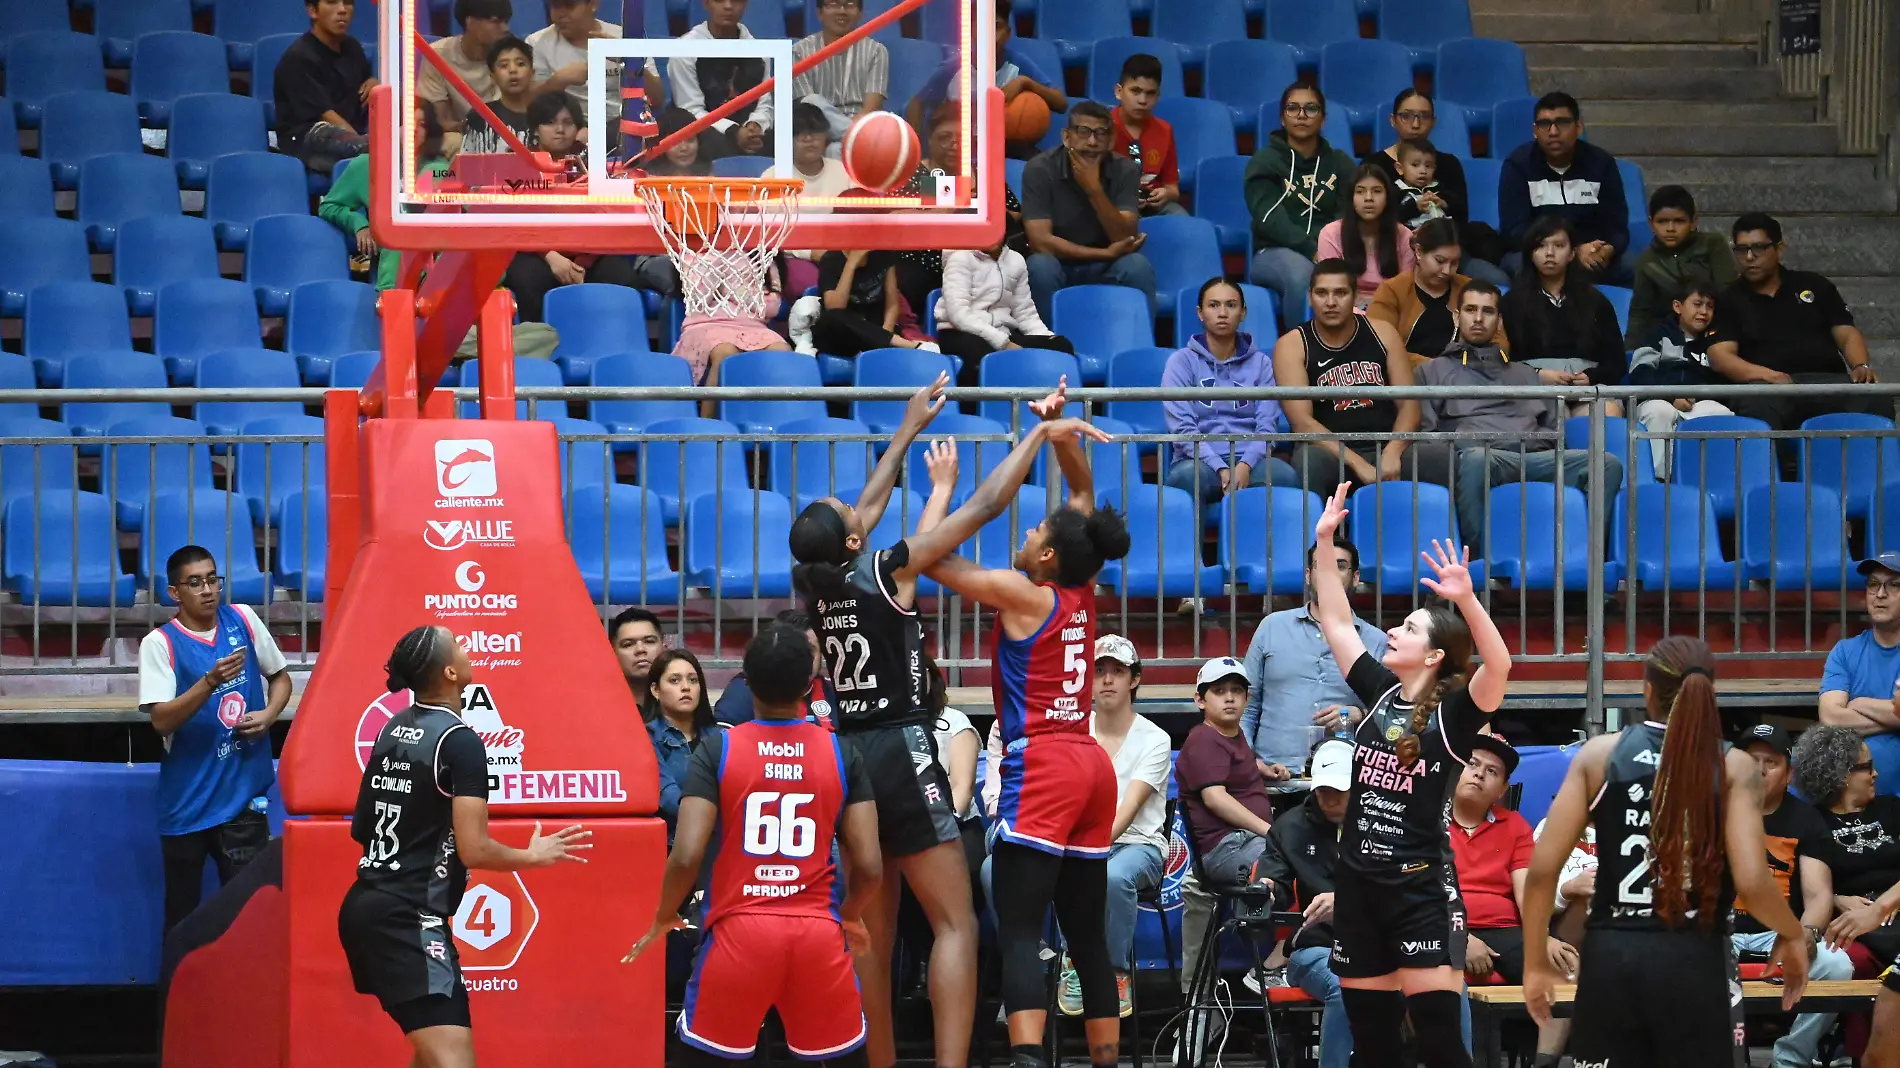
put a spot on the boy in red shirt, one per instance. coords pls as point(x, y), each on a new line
point(1147, 140)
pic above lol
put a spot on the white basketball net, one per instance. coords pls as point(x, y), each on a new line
point(723, 238)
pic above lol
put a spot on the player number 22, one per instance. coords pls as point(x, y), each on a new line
point(784, 833)
point(1634, 889)
point(1075, 668)
point(854, 679)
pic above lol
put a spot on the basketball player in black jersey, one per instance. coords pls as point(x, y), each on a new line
point(1399, 926)
point(422, 819)
point(1678, 831)
point(862, 603)
point(1883, 1044)
point(1339, 348)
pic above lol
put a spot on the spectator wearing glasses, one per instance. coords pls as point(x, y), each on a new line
point(1783, 326)
point(850, 83)
point(637, 640)
point(213, 681)
point(1861, 847)
point(1862, 677)
point(1295, 185)
point(1081, 209)
point(1558, 173)
point(1414, 117)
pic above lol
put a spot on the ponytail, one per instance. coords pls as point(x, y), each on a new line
point(1447, 632)
point(1686, 806)
point(1083, 542)
point(1408, 743)
point(819, 542)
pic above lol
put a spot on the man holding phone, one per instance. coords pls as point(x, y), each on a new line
point(213, 681)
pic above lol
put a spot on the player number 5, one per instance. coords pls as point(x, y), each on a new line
point(1075, 665)
point(784, 833)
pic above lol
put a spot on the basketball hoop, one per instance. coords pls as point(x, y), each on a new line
point(722, 234)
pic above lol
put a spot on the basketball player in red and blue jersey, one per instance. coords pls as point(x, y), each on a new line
point(776, 790)
point(1055, 818)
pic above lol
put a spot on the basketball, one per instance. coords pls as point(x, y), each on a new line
point(1026, 118)
point(880, 151)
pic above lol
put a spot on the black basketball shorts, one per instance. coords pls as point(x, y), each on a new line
point(401, 955)
point(1411, 920)
point(1657, 999)
point(912, 792)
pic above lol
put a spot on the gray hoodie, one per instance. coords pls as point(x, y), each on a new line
point(1473, 367)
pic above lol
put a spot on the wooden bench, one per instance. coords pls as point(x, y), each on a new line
point(1492, 1005)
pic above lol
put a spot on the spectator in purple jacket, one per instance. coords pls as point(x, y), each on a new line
point(1221, 357)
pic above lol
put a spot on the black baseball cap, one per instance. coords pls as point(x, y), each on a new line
point(1887, 561)
point(1770, 735)
point(1500, 748)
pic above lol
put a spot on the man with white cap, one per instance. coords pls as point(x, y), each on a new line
point(1301, 852)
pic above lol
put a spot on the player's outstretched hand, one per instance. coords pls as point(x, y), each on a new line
point(1063, 429)
point(1335, 514)
point(925, 404)
point(1050, 407)
point(941, 459)
point(1793, 957)
point(1540, 979)
point(1453, 574)
point(856, 938)
point(565, 844)
point(656, 934)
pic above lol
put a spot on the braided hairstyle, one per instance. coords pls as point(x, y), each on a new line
point(1447, 632)
point(418, 659)
point(1084, 541)
point(1685, 807)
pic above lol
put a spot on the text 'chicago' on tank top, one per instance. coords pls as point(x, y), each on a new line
point(1359, 362)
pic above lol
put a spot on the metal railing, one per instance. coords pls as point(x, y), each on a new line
point(1196, 583)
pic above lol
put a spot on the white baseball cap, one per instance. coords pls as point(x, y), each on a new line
point(1219, 668)
point(1117, 648)
point(1332, 765)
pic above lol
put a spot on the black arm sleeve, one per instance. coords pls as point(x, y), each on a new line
point(1370, 679)
point(1612, 362)
point(1451, 186)
point(702, 770)
point(461, 765)
point(857, 778)
point(1273, 865)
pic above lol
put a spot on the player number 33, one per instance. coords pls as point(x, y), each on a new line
point(783, 833)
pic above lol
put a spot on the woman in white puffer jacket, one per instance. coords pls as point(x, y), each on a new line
point(986, 307)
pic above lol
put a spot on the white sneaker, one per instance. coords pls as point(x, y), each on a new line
point(1255, 982)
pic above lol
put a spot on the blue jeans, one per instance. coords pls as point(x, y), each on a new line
point(1288, 274)
point(1132, 868)
point(1048, 274)
point(1272, 471)
point(1798, 1047)
point(1311, 969)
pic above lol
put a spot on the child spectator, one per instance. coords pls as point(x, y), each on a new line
point(1146, 139)
point(511, 68)
point(986, 308)
point(1559, 323)
point(700, 84)
point(346, 205)
point(706, 341)
point(321, 87)
point(684, 158)
point(1030, 94)
point(483, 23)
point(1677, 354)
point(921, 270)
point(1414, 117)
point(1679, 252)
point(851, 82)
point(1367, 234)
point(1293, 190)
point(1417, 184)
point(560, 57)
point(824, 176)
point(861, 304)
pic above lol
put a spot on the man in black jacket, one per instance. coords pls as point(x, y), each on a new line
point(1556, 172)
point(1302, 849)
point(321, 87)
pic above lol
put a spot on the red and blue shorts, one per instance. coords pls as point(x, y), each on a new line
point(1058, 796)
point(751, 962)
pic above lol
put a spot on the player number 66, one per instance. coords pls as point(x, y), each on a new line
point(786, 834)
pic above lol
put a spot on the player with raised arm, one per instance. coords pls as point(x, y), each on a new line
point(1399, 925)
point(422, 819)
point(1677, 813)
point(1056, 814)
point(776, 790)
point(863, 608)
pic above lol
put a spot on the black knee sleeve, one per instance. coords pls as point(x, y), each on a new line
point(1377, 1018)
point(1436, 1016)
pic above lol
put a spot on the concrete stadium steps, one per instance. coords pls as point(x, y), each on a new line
point(1566, 24)
point(1834, 245)
point(1688, 136)
point(1629, 56)
point(1792, 184)
point(1675, 82)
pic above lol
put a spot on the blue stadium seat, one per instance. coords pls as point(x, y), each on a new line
point(595, 320)
point(528, 372)
point(351, 370)
point(253, 368)
point(1263, 310)
point(996, 543)
point(268, 472)
point(1854, 467)
point(1074, 27)
point(912, 63)
point(673, 470)
point(1115, 466)
point(265, 53)
point(1012, 176)
point(1185, 252)
point(907, 368)
point(1335, 131)
point(585, 465)
point(1133, 369)
point(1636, 195)
point(1164, 545)
point(1677, 541)
point(46, 565)
point(736, 543)
point(644, 369)
point(1310, 25)
point(34, 252)
point(1794, 536)
point(239, 23)
point(1527, 521)
point(303, 544)
point(769, 368)
point(80, 125)
point(765, 19)
point(740, 166)
point(112, 369)
point(26, 187)
point(292, 250)
point(218, 521)
point(1724, 468)
point(1481, 188)
point(1510, 124)
point(1423, 25)
point(208, 125)
point(1194, 27)
point(198, 316)
point(43, 65)
point(619, 541)
point(1220, 197)
point(1102, 320)
point(33, 16)
point(1244, 74)
point(243, 187)
point(65, 318)
point(975, 459)
point(1107, 55)
point(117, 188)
point(132, 473)
point(1203, 130)
point(1264, 532)
point(1361, 77)
point(166, 66)
point(154, 251)
point(16, 372)
point(37, 471)
point(1038, 368)
point(1616, 442)
point(121, 22)
point(1478, 72)
point(807, 470)
point(328, 319)
point(1619, 298)
point(1393, 522)
point(9, 129)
